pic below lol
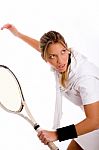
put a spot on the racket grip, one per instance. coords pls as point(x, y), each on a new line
point(51, 145)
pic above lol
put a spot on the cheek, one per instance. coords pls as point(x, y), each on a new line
point(52, 62)
point(65, 58)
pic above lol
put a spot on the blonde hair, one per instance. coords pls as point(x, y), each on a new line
point(52, 37)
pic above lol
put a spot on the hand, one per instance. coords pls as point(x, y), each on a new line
point(11, 28)
point(47, 136)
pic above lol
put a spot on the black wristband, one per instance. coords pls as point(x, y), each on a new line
point(65, 133)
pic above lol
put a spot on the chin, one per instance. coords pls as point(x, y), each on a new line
point(61, 71)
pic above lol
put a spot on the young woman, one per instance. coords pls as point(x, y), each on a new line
point(78, 80)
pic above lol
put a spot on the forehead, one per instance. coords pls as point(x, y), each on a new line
point(55, 47)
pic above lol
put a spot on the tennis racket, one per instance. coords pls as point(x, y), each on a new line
point(12, 99)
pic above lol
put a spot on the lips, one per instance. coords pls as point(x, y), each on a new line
point(60, 67)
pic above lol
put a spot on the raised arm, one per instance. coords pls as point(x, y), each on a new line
point(32, 42)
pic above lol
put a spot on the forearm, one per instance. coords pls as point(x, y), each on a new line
point(85, 126)
point(70, 132)
point(73, 131)
point(89, 124)
point(32, 42)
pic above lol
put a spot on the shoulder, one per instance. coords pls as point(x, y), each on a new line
point(80, 65)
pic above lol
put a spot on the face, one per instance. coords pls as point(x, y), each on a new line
point(57, 56)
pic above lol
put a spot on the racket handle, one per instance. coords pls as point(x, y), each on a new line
point(51, 145)
point(37, 127)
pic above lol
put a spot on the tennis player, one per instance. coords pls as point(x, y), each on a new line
point(78, 80)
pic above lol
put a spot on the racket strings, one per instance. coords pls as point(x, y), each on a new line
point(10, 93)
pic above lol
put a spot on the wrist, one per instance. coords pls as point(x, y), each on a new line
point(65, 133)
point(55, 135)
point(19, 35)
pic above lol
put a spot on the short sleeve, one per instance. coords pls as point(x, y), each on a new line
point(88, 88)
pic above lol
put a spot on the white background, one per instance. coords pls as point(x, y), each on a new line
point(78, 22)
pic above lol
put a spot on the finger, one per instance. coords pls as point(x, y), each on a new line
point(39, 133)
point(44, 140)
point(42, 137)
point(7, 26)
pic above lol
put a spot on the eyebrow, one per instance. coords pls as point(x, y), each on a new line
point(51, 54)
point(54, 53)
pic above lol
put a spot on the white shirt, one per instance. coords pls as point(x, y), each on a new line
point(82, 88)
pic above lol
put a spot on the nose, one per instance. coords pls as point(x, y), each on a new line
point(59, 60)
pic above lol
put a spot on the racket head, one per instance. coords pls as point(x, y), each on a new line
point(11, 96)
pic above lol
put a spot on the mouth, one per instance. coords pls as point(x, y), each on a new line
point(61, 67)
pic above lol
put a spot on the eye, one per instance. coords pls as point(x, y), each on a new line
point(63, 51)
point(51, 56)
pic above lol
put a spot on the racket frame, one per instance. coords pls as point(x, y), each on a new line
point(31, 119)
